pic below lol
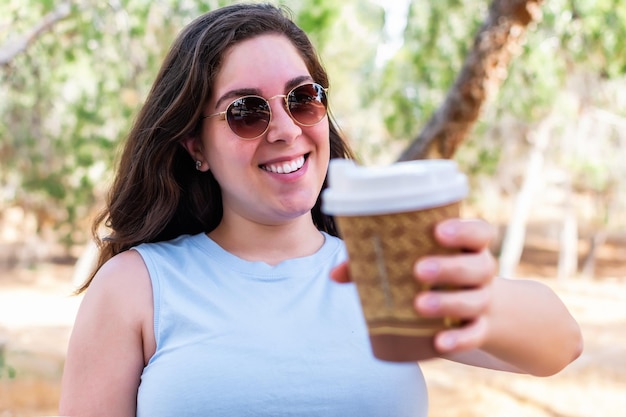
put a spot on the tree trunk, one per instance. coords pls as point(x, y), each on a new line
point(568, 246)
point(513, 244)
point(595, 243)
point(485, 68)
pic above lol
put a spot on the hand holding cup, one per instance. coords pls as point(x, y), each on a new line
point(387, 218)
point(470, 272)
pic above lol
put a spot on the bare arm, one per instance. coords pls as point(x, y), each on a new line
point(106, 353)
point(527, 330)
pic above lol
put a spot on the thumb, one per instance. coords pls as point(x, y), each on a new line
point(341, 273)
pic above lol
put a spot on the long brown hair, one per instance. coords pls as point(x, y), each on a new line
point(157, 193)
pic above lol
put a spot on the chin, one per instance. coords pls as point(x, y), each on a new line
point(299, 210)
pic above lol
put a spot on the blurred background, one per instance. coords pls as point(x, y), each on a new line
point(546, 158)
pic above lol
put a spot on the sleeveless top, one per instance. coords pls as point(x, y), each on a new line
point(237, 338)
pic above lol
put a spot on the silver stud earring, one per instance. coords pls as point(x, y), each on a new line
point(198, 165)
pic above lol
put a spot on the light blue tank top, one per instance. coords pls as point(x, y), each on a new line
point(237, 338)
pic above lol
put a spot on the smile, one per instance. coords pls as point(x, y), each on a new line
point(284, 167)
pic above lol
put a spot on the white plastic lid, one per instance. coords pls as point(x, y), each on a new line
point(355, 190)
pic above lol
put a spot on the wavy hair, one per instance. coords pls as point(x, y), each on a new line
point(157, 193)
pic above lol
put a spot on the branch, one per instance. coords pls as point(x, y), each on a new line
point(485, 68)
point(16, 46)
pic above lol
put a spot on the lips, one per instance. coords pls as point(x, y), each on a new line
point(285, 167)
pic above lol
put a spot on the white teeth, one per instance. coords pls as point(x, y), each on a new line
point(286, 168)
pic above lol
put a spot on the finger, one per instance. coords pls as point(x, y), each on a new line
point(466, 305)
point(467, 234)
point(471, 336)
point(341, 273)
point(461, 270)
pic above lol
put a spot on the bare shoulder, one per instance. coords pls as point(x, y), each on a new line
point(125, 269)
point(111, 341)
point(124, 282)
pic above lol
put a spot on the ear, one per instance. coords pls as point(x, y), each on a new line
point(193, 146)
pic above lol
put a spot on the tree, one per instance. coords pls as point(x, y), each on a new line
point(70, 96)
point(575, 63)
point(485, 68)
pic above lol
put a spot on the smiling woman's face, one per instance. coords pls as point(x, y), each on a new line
point(277, 176)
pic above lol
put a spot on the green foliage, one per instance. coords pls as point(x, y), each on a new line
point(594, 32)
point(71, 97)
point(313, 16)
point(436, 40)
point(6, 370)
point(566, 68)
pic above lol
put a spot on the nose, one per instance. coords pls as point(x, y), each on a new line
point(282, 127)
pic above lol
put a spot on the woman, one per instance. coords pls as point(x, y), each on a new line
point(212, 293)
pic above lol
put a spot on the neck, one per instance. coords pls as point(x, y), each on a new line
point(271, 244)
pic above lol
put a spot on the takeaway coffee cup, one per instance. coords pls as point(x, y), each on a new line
point(386, 216)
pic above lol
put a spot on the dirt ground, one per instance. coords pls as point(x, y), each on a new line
point(37, 311)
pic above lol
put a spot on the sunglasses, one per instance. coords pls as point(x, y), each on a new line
point(249, 117)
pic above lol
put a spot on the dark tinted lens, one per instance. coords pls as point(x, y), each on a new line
point(248, 117)
point(307, 104)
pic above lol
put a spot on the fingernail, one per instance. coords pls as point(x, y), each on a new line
point(427, 270)
point(428, 303)
point(447, 342)
point(449, 229)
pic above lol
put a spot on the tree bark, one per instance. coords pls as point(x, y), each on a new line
point(485, 68)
